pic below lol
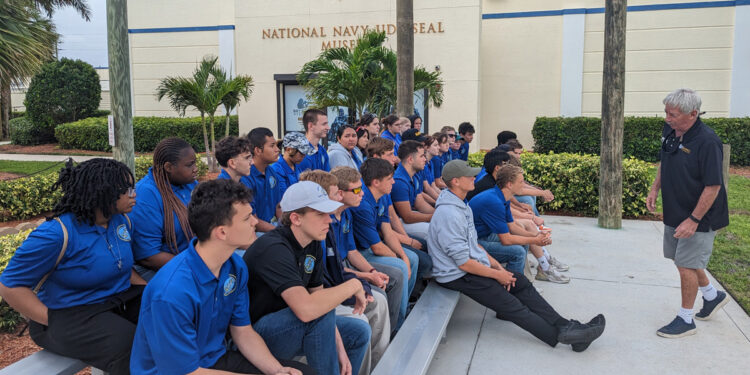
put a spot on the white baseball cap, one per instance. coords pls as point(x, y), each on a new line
point(307, 194)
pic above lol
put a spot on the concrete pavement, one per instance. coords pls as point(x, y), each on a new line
point(35, 157)
point(622, 274)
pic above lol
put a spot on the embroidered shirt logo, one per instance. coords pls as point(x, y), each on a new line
point(381, 210)
point(230, 284)
point(122, 233)
point(271, 182)
point(309, 263)
point(346, 226)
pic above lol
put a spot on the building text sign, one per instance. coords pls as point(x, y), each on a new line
point(335, 36)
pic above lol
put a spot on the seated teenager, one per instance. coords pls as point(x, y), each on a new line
point(295, 147)
point(452, 153)
point(316, 126)
point(417, 136)
point(345, 152)
point(73, 276)
point(529, 193)
point(234, 155)
point(200, 295)
point(371, 123)
point(383, 278)
point(504, 136)
point(461, 264)
point(431, 151)
point(437, 161)
point(466, 131)
point(262, 180)
point(415, 122)
point(392, 130)
point(376, 312)
point(373, 234)
point(290, 308)
point(161, 213)
point(410, 205)
point(493, 161)
point(363, 138)
point(505, 239)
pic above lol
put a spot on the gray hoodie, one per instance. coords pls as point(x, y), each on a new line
point(452, 238)
point(339, 156)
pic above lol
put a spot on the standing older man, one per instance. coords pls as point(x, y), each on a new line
point(695, 205)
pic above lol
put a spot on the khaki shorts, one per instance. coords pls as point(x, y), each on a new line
point(693, 252)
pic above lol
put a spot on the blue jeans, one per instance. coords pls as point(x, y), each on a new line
point(513, 255)
point(286, 337)
point(400, 264)
point(530, 200)
point(424, 268)
point(355, 333)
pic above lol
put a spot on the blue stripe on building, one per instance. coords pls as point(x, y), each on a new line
point(632, 8)
point(180, 29)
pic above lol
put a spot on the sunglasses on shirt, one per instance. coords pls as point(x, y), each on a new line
point(671, 143)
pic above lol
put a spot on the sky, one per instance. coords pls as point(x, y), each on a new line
point(80, 39)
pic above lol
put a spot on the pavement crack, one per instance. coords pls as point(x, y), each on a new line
point(625, 282)
point(476, 343)
point(735, 324)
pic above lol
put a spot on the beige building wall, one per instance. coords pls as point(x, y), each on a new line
point(18, 94)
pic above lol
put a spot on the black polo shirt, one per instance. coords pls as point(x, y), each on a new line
point(277, 262)
point(697, 163)
point(485, 183)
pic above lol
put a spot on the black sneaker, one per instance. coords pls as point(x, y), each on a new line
point(711, 307)
point(575, 333)
point(596, 321)
point(677, 328)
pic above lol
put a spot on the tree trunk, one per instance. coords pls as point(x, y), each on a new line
point(119, 81)
point(226, 128)
point(205, 139)
point(613, 100)
point(405, 57)
point(213, 166)
point(5, 108)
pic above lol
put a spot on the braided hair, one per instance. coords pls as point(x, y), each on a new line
point(169, 150)
point(93, 185)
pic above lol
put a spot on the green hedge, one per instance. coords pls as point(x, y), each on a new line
point(24, 132)
point(574, 180)
point(28, 197)
point(92, 133)
point(9, 318)
point(641, 139)
point(16, 114)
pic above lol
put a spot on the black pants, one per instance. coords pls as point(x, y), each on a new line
point(100, 335)
point(521, 305)
point(233, 361)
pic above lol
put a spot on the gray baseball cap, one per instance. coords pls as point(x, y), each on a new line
point(307, 194)
point(297, 140)
point(458, 168)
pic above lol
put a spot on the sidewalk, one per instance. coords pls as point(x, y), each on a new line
point(31, 157)
point(622, 274)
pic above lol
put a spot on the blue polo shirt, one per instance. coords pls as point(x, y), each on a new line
point(148, 218)
point(447, 156)
point(454, 154)
point(395, 138)
point(405, 188)
point(286, 176)
point(427, 174)
point(463, 151)
point(186, 312)
point(266, 193)
point(224, 175)
point(366, 219)
point(481, 174)
point(88, 272)
point(318, 160)
point(342, 230)
point(437, 166)
point(491, 212)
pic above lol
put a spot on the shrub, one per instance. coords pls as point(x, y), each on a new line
point(9, 318)
point(641, 139)
point(16, 114)
point(63, 91)
point(574, 180)
point(24, 132)
point(31, 196)
point(92, 133)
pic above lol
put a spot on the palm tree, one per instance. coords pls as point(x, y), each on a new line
point(200, 91)
point(363, 78)
point(27, 40)
point(239, 87)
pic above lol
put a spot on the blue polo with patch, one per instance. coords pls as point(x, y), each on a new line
point(342, 229)
point(266, 193)
point(285, 174)
point(366, 219)
point(405, 187)
point(148, 218)
point(395, 138)
point(491, 212)
point(463, 151)
point(96, 264)
point(186, 312)
point(437, 166)
point(277, 262)
point(318, 160)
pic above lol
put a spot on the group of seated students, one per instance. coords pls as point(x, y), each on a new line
point(292, 251)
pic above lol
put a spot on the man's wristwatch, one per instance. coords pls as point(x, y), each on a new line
point(693, 218)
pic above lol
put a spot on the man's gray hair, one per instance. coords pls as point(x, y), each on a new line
point(686, 100)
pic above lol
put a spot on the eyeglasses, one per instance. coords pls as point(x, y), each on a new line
point(356, 190)
point(670, 144)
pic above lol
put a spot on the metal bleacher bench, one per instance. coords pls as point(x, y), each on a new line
point(46, 362)
point(415, 344)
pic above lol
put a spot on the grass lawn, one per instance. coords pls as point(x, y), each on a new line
point(730, 261)
point(26, 167)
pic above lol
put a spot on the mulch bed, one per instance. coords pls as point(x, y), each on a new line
point(13, 348)
point(8, 176)
point(48, 149)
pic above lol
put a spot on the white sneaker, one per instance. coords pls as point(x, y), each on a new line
point(562, 267)
point(552, 275)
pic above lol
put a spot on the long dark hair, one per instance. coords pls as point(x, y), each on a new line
point(169, 150)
